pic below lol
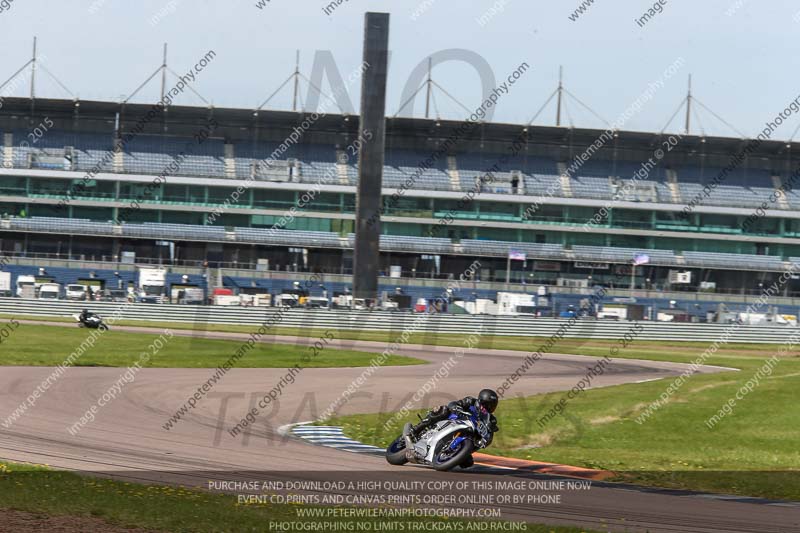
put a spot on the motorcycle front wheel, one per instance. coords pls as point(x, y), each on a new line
point(396, 452)
point(445, 457)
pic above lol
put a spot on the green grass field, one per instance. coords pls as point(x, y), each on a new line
point(753, 451)
point(161, 508)
point(655, 350)
point(31, 345)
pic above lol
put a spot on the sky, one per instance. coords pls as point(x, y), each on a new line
point(742, 54)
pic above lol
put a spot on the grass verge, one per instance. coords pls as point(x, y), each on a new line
point(33, 345)
point(162, 508)
point(751, 451)
point(654, 350)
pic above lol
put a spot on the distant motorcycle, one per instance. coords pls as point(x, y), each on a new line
point(91, 322)
point(446, 445)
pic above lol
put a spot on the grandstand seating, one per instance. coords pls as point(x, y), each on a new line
point(399, 243)
point(90, 151)
point(399, 165)
point(596, 179)
point(740, 187)
point(717, 259)
point(75, 226)
point(539, 176)
point(501, 248)
point(321, 154)
point(187, 231)
point(283, 237)
point(148, 154)
point(622, 255)
point(316, 162)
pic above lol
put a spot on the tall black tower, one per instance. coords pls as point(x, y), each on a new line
point(366, 257)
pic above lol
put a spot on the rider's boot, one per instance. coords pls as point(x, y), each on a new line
point(416, 430)
point(407, 431)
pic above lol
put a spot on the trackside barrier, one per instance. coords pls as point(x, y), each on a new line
point(387, 321)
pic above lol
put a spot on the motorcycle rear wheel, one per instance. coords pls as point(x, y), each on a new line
point(451, 461)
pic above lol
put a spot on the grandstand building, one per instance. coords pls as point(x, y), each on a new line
point(234, 187)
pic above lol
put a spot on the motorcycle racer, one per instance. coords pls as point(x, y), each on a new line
point(487, 400)
point(86, 315)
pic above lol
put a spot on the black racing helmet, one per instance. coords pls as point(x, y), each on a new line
point(488, 399)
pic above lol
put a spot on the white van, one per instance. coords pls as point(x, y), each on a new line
point(26, 286)
point(50, 291)
point(77, 292)
point(5, 283)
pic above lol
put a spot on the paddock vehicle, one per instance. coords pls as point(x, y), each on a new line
point(49, 291)
point(76, 291)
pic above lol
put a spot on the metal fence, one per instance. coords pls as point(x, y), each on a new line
point(398, 321)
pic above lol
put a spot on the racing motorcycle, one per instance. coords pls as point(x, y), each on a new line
point(91, 322)
point(445, 445)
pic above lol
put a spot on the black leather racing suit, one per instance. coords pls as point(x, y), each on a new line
point(443, 411)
